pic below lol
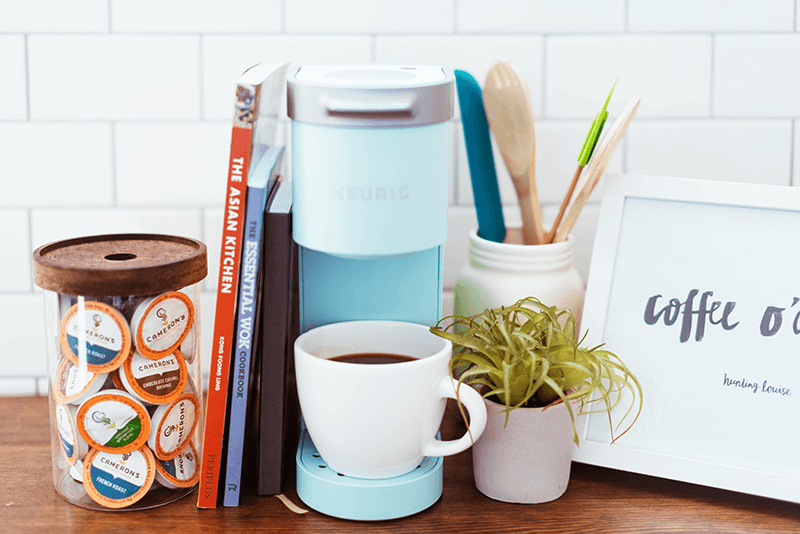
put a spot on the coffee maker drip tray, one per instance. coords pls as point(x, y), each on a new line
point(333, 494)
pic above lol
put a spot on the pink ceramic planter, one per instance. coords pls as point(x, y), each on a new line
point(528, 460)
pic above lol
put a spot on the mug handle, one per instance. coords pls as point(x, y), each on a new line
point(474, 404)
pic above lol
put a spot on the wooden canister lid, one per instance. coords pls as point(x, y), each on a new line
point(120, 264)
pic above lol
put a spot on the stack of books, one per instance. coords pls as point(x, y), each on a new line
point(252, 418)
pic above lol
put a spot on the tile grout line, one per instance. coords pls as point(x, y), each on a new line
point(627, 24)
point(543, 82)
point(28, 211)
point(626, 139)
point(114, 189)
point(456, 128)
point(26, 59)
point(31, 246)
point(791, 154)
point(200, 77)
point(712, 69)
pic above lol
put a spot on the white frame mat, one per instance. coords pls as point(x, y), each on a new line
point(695, 285)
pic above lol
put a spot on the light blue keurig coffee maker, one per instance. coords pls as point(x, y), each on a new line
point(371, 155)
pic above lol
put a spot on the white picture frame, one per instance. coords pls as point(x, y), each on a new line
point(721, 402)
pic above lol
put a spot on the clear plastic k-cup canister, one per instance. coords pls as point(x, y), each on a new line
point(123, 331)
point(371, 149)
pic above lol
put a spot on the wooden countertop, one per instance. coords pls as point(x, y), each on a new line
point(597, 500)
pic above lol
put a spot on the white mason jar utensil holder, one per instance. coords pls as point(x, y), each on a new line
point(499, 274)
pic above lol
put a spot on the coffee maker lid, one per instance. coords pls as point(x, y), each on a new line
point(370, 95)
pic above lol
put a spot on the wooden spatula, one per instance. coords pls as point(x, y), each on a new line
point(508, 109)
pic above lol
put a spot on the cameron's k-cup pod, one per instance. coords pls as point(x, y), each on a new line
point(73, 445)
point(179, 472)
point(96, 332)
point(113, 421)
point(154, 381)
point(114, 381)
point(118, 480)
point(76, 471)
point(73, 386)
point(160, 324)
point(173, 425)
point(188, 346)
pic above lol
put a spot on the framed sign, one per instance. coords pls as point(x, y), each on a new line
point(696, 286)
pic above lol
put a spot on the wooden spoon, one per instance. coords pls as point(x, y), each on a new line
point(597, 166)
point(510, 116)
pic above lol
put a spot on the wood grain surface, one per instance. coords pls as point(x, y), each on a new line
point(597, 500)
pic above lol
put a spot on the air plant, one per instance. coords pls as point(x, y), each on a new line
point(529, 355)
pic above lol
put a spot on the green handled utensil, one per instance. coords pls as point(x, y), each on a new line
point(583, 158)
point(597, 166)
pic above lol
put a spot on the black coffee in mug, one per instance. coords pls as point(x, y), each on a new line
point(372, 358)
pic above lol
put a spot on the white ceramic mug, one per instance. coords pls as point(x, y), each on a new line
point(379, 420)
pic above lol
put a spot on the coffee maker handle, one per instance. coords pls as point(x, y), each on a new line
point(473, 402)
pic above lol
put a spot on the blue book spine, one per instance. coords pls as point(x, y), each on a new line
point(258, 191)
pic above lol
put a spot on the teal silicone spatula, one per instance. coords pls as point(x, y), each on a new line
point(583, 158)
point(491, 225)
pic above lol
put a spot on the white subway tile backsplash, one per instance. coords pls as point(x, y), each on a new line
point(19, 386)
point(54, 224)
point(670, 72)
point(115, 114)
point(541, 16)
point(796, 153)
point(447, 303)
point(369, 16)
point(192, 16)
point(558, 144)
point(474, 54)
point(114, 77)
point(584, 232)
point(226, 57)
point(212, 234)
point(55, 164)
point(754, 75)
point(456, 249)
point(38, 16)
point(15, 242)
point(23, 329)
point(171, 164)
point(13, 84)
point(729, 150)
point(42, 385)
point(711, 16)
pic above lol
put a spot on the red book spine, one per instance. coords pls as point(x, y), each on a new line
point(225, 317)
